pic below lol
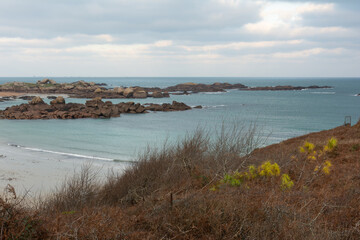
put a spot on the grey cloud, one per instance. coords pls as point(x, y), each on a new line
point(39, 23)
point(41, 18)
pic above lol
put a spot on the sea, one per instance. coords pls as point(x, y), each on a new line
point(278, 115)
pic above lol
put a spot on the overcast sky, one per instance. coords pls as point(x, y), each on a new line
point(244, 38)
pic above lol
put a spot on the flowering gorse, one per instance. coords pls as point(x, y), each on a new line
point(323, 165)
point(265, 171)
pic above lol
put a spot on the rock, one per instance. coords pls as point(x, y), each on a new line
point(58, 100)
point(282, 88)
point(140, 94)
point(26, 97)
point(98, 90)
point(94, 103)
point(82, 83)
point(51, 97)
point(157, 95)
point(154, 107)
point(119, 90)
point(69, 87)
point(128, 92)
point(94, 108)
point(198, 107)
point(166, 94)
point(140, 109)
point(198, 87)
point(179, 106)
point(46, 81)
point(100, 84)
point(36, 100)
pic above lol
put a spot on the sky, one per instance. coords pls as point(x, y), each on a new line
point(179, 38)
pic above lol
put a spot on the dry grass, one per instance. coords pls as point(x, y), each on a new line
point(166, 195)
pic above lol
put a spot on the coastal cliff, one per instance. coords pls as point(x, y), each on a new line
point(199, 189)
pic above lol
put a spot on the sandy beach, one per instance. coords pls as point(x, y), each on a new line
point(10, 94)
point(40, 172)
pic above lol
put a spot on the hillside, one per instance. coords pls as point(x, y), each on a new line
point(302, 188)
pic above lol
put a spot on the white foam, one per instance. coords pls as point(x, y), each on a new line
point(323, 92)
point(62, 153)
point(213, 93)
point(214, 106)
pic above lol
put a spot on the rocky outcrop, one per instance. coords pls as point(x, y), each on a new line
point(119, 90)
point(282, 88)
point(58, 100)
point(128, 92)
point(95, 108)
point(195, 87)
point(46, 81)
point(10, 98)
point(82, 89)
point(157, 94)
point(167, 107)
point(36, 101)
point(140, 94)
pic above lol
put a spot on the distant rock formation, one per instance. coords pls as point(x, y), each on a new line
point(196, 87)
point(95, 108)
point(82, 89)
point(282, 88)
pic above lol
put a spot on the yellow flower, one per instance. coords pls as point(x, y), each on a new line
point(326, 168)
point(268, 169)
point(307, 148)
point(332, 143)
point(286, 182)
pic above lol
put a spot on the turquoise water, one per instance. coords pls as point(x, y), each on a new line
point(283, 114)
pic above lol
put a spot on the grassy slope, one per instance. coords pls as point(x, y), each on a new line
point(167, 195)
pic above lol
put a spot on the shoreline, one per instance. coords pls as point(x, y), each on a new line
point(41, 172)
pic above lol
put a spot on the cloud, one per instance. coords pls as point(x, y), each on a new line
point(122, 17)
point(308, 52)
point(162, 37)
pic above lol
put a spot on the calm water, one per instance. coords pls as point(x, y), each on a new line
point(284, 114)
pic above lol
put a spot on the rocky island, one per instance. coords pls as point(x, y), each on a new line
point(82, 89)
point(95, 108)
point(283, 88)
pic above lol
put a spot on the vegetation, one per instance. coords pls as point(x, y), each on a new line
point(204, 188)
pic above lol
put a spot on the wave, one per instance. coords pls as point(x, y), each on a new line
point(323, 92)
point(70, 154)
point(214, 106)
point(213, 93)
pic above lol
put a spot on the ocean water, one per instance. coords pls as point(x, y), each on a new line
point(279, 114)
